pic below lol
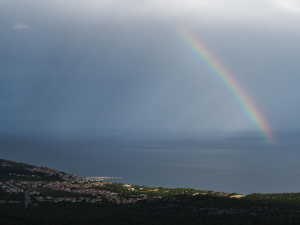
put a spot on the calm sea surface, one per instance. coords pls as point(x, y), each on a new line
point(234, 169)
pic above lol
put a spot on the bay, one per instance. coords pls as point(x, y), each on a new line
point(233, 168)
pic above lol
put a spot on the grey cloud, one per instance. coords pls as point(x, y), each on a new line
point(104, 72)
point(21, 26)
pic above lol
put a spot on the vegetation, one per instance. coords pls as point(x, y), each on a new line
point(11, 196)
point(29, 178)
point(155, 213)
point(151, 191)
point(19, 171)
point(55, 193)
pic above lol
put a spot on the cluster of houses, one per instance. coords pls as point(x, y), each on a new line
point(97, 199)
point(51, 172)
point(86, 188)
point(4, 164)
point(11, 187)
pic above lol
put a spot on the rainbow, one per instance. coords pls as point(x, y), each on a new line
point(228, 79)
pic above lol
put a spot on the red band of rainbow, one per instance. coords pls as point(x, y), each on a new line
point(228, 79)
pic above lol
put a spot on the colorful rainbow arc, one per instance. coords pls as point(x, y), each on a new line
point(247, 104)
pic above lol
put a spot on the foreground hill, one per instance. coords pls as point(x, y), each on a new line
point(39, 195)
point(10, 170)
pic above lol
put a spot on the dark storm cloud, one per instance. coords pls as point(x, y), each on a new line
point(69, 68)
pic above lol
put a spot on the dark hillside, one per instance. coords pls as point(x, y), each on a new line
point(25, 199)
point(10, 170)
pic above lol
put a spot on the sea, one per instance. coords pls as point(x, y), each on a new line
point(228, 167)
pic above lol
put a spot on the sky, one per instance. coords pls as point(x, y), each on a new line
point(112, 68)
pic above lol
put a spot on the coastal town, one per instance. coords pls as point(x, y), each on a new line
point(31, 187)
point(70, 188)
point(83, 189)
